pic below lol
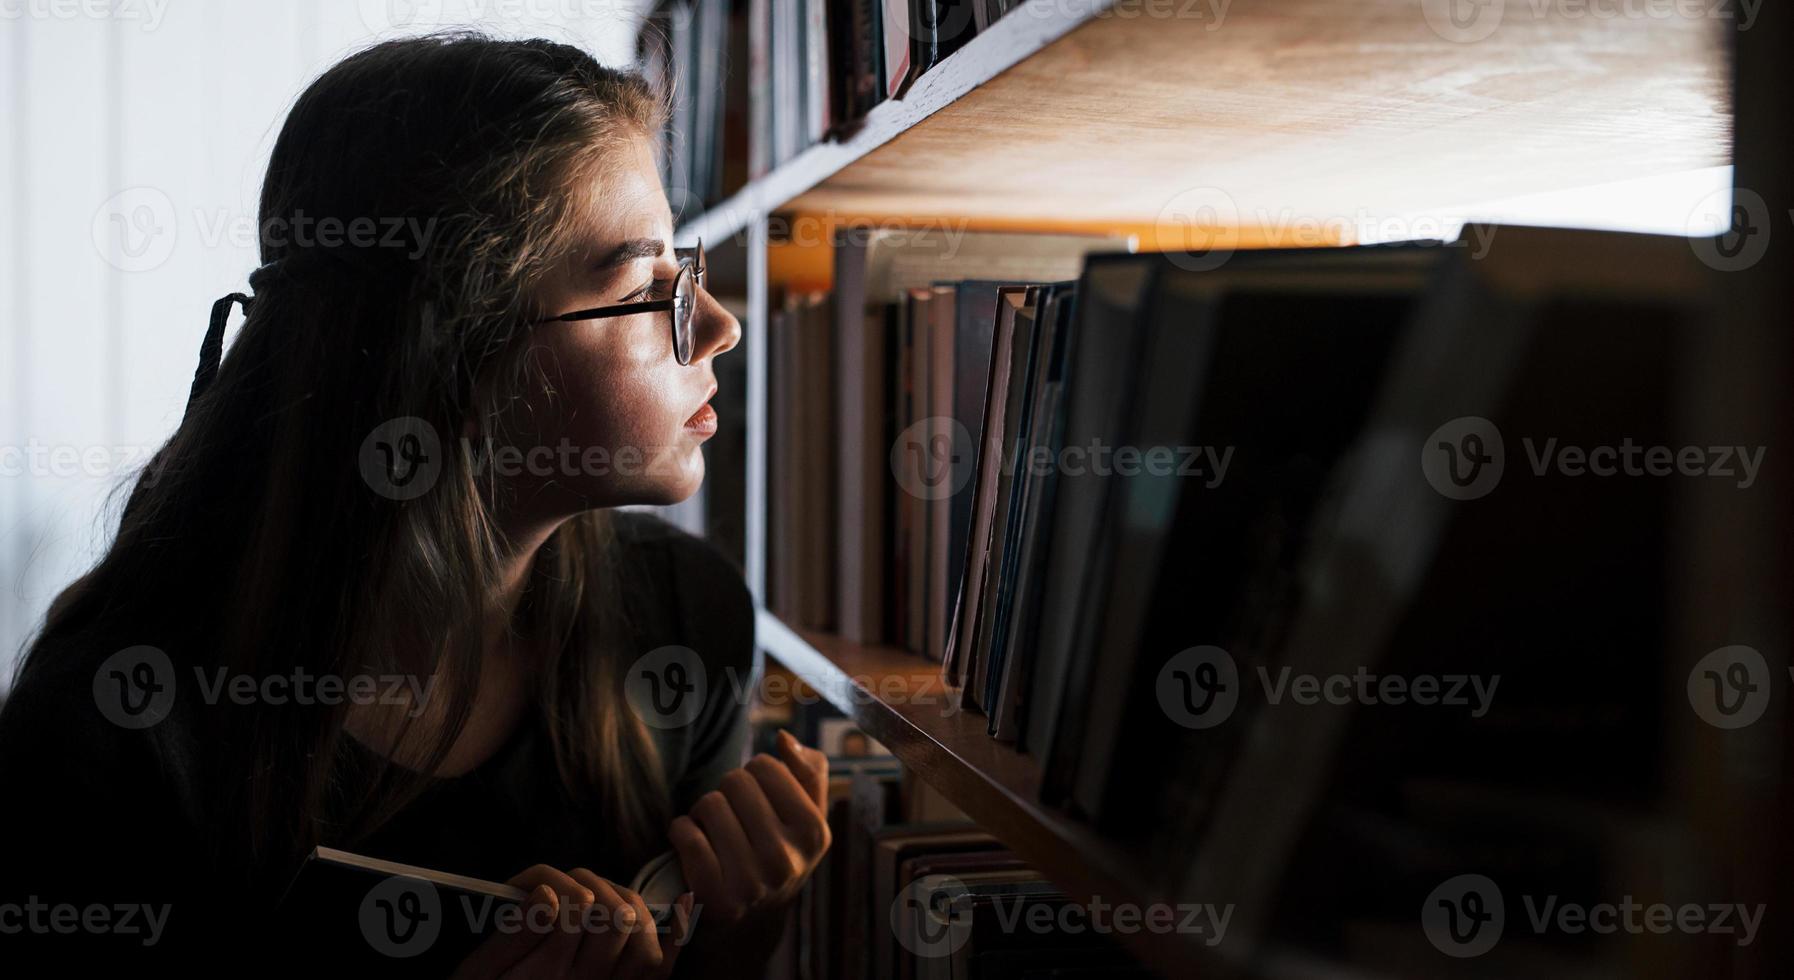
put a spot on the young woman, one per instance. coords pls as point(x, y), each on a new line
point(373, 593)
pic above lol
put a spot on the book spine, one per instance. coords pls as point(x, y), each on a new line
point(859, 397)
point(920, 338)
point(818, 74)
point(759, 87)
point(940, 406)
point(898, 52)
point(867, 83)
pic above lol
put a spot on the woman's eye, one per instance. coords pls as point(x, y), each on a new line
point(643, 292)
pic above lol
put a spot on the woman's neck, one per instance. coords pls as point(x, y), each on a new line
point(516, 564)
point(506, 672)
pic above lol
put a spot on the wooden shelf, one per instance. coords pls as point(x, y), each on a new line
point(899, 699)
point(1007, 42)
point(1283, 122)
point(1281, 115)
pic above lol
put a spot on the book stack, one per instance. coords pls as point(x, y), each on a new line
point(1397, 512)
point(912, 890)
point(1199, 488)
point(877, 402)
point(701, 55)
point(758, 81)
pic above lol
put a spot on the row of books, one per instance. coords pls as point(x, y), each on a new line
point(868, 507)
point(1405, 502)
point(912, 890)
point(756, 82)
point(701, 54)
point(1375, 462)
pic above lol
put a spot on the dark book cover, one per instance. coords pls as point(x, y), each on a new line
point(1036, 688)
point(1005, 442)
point(940, 27)
point(1007, 700)
point(857, 26)
point(864, 463)
point(920, 335)
point(1286, 407)
point(895, 849)
point(1098, 397)
point(975, 320)
point(987, 651)
point(987, 456)
point(941, 469)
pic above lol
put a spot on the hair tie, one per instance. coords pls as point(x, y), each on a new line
point(355, 259)
point(211, 349)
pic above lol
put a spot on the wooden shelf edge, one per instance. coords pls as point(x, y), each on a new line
point(1014, 37)
point(997, 786)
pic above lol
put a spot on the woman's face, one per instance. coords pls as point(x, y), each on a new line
point(620, 420)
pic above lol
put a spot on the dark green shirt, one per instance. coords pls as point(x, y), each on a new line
point(102, 824)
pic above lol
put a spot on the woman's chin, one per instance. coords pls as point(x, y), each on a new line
point(676, 482)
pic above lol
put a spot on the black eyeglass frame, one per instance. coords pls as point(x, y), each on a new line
point(691, 263)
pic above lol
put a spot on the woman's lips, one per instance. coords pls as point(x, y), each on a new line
point(702, 422)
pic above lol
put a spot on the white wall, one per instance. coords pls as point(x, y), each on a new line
point(133, 142)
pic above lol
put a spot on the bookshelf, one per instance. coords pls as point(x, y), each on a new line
point(994, 784)
point(1306, 112)
point(1297, 109)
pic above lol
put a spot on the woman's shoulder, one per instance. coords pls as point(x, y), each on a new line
point(685, 590)
point(91, 712)
point(88, 734)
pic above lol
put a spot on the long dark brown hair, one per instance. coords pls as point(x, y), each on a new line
point(253, 542)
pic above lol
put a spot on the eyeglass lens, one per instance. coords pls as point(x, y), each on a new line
point(685, 303)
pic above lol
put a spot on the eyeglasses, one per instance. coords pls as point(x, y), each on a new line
point(683, 304)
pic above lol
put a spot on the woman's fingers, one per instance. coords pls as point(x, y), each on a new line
point(684, 924)
point(698, 862)
point(810, 767)
point(555, 944)
point(642, 955)
point(564, 884)
point(504, 950)
point(579, 924)
point(554, 955)
point(606, 926)
point(717, 818)
point(789, 799)
point(759, 835)
point(762, 825)
point(742, 886)
point(805, 824)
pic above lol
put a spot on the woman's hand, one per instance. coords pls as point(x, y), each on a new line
point(748, 847)
point(576, 924)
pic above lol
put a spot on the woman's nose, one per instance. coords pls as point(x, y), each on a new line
point(716, 330)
